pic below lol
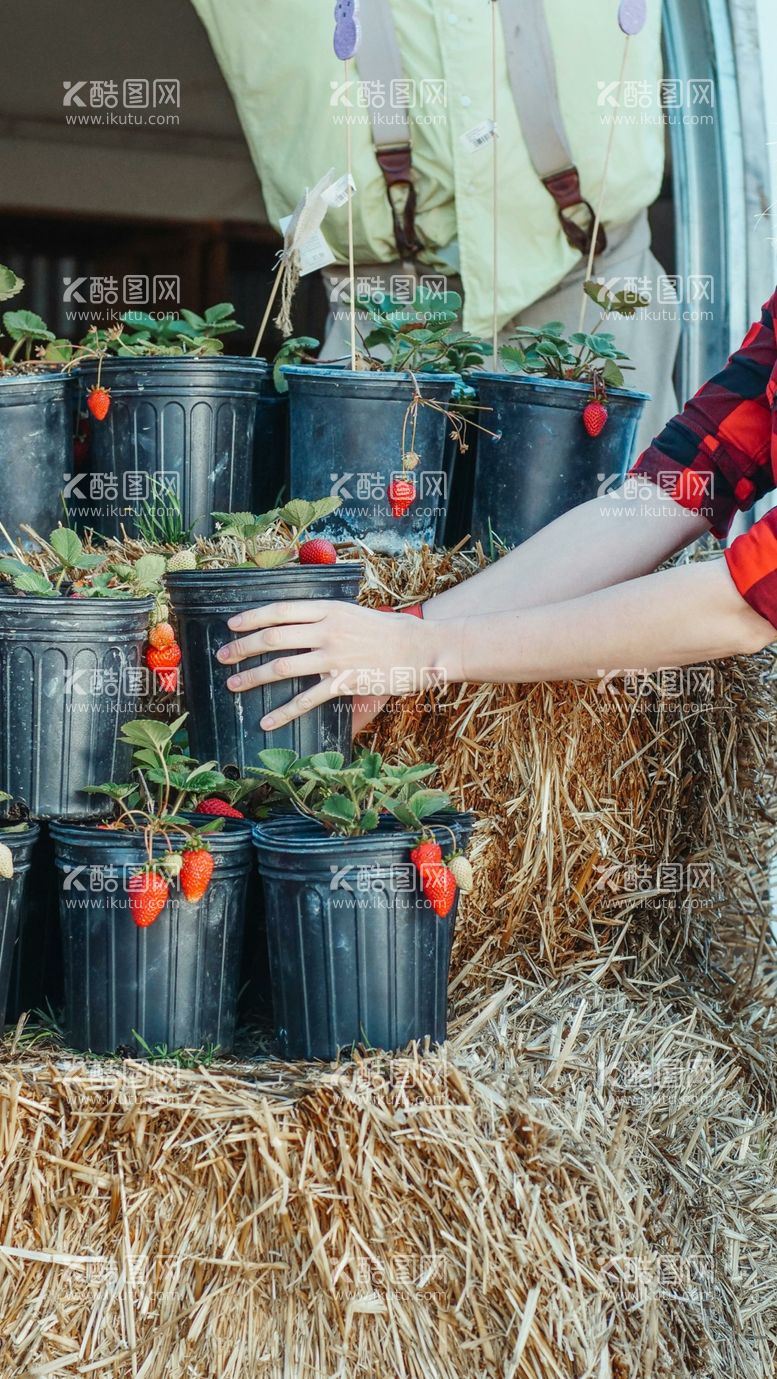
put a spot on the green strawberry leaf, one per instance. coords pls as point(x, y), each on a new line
point(30, 582)
point(327, 761)
point(26, 325)
point(67, 546)
point(338, 809)
point(10, 283)
point(278, 760)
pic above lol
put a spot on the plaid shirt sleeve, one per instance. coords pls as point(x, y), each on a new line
point(716, 458)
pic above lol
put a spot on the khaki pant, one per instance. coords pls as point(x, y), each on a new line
point(650, 338)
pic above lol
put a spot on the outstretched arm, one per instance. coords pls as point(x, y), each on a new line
point(677, 617)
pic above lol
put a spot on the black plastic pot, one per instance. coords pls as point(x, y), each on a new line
point(346, 437)
point(224, 726)
point(357, 955)
point(190, 423)
point(36, 974)
point(36, 451)
point(542, 462)
point(12, 898)
point(271, 443)
point(174, 983)
point(67, 683)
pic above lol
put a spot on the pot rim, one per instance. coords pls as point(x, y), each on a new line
point(537, 381)
point(340, 371)
point(41, 376)
point(40, 603)
point(14, 833)
point(295, 832)
point(237, 831)
point(173, 361)
point(327, 572)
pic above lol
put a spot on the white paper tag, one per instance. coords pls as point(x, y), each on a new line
point(315, 253)
point(340, 191)
point(478, 137)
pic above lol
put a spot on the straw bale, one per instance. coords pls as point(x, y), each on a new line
point(582, 1184)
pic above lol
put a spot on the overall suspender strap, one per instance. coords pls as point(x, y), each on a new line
point(532, 72)
point(379, 60)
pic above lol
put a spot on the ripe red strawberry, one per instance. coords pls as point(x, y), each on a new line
point(401, 495)
point(218, 808)
point(196, 872)
point(161, 634)
point(595, 418)
point(163, 657)
point(317, 552)
point(426, 851)
point(167, 680)
point(439, 886)
point(148, 893)
point(99, 402)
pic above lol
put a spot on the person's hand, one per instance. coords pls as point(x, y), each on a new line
point(354, 650)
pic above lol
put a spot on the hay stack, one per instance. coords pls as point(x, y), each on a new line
point(584, 1188)
point(580, 1186)
point(645, 807)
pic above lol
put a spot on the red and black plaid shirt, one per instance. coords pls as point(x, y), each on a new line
point(720, 455)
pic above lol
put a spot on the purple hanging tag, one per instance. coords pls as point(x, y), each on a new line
point(632, 16)
point(347, 29)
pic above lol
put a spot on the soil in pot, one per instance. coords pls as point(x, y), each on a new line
point(357, 954)
point(68, 681)
point(542, 462)
point(347, 433)
point(13, 891)
point(183, 424)
point(36, 450)
point(174, 983)
point(223, 726)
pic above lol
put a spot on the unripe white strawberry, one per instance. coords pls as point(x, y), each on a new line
point(172, 863)
point(182, 560)
point(461, 867)
point(6, 862)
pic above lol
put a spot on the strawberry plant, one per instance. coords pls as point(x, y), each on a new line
point(63, 565)
point(274, 538)
point(189, 333)
point(166, 784)
point(583, 357)
point(297, 350)
point(32, 344)
point(350, 799)
point(419, 336)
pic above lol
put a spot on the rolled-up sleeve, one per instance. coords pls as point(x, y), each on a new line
point(752, 564)
point(715, 456)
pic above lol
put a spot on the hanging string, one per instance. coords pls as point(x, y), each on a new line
point(351, 258)
point(494, 193)
point(603, 188)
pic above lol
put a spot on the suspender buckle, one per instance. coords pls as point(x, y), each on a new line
point(564, 187)
point(396, 164)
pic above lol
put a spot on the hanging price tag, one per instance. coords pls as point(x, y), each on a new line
point(478, 137)
point(340, 191)
point(314, 252)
